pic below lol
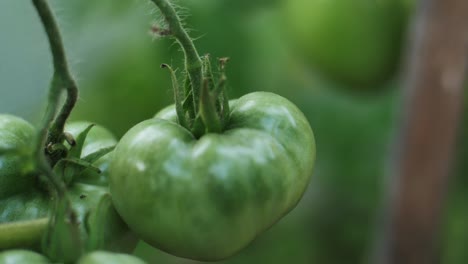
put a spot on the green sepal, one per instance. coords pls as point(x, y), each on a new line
point(198, 128)
point(75, 151)
point(70, 168)
point(208, 112)
point(61, 242)
point(221, 88)
point(217, 90)
point(93, 157)
point(188, 103)
point(178, 95)
point(207, 72)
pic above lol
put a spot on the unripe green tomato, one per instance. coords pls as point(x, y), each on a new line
point(208, 198)
point(356, 42)
point(102, 257)
point(17, 142)
point(20, 256)
point(85, 192)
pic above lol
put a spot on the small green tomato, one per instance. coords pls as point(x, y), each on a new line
point(17, 142)
point(19, 256)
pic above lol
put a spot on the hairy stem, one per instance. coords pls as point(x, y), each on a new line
point(42, 162)
point(54, 95)
point(61, 70)
point(193, 62)
point(22, 234)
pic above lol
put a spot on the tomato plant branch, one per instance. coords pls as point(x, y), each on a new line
point(61, 71)
point(193, 62)
point(42, 162)
point(54, 95)
point(434, 97)
point(23, 233)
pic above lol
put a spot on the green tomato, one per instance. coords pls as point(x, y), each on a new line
point(86, 191)
point(19, 256)
point(207, 199)
point(17, 139)
point(356, 42)
point(102, 257)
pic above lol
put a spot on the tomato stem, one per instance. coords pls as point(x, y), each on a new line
point(205, 107)
point(22, 234)
point(62, 76)
point(42, 163)
point(193, 62)
point(51, 131)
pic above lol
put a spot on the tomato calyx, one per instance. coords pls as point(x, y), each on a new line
point(203, 105)
point(74, 164)
point(71, 164)
point(210, 114)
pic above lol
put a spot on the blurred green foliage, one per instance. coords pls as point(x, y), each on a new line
point(356, 42)
point(117, 63)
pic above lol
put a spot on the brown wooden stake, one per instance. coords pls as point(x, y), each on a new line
point(436, 66)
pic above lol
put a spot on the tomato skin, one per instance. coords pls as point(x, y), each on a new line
point(207, 199)
point(355, 42)
point(22, 256)
point(102, 257)
point(16, 169)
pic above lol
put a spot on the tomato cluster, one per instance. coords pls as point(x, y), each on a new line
point(179, 193)
point(26, 196)
point(200, 180)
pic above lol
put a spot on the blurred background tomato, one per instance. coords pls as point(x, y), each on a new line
point(320, 54)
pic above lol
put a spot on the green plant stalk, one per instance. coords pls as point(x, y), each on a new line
point(61, 70)
point(23, 233)
point(42, 162)
point(193, 62)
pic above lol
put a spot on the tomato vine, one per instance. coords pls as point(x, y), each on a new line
point(203, 105)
